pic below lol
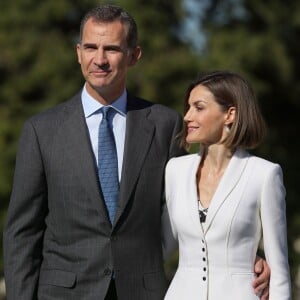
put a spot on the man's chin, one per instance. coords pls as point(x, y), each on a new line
point(99, 86)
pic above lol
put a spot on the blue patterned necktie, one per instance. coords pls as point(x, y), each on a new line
point(108, 164)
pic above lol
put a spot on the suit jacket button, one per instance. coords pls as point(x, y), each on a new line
point(107, 271)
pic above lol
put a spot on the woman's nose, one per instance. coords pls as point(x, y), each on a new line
point(186, 117)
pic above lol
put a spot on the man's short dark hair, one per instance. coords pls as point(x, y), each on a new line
point(109, 13)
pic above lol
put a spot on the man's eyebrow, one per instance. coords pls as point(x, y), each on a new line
point(88, 45)
point(112, 46)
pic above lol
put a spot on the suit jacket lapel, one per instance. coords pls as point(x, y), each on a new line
point(228, 182)
point(139, 134)
point(77, 139)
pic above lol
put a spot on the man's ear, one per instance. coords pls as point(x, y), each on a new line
point(78, 50)
point(134, 55)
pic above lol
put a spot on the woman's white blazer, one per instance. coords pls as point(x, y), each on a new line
point(216, 259)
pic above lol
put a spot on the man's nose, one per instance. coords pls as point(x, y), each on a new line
point(100, 58)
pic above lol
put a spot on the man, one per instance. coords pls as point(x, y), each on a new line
point(64, 239)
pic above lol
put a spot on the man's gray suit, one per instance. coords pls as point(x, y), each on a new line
point(58, 241)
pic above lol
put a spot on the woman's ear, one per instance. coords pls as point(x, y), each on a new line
point(230, 115)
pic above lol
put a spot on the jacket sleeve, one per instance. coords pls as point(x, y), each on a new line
point(275, 235)
point(175, 147)
point(169, 240)
point(25, 223)
point(169, 234)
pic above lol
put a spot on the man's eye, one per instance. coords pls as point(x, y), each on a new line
point(89, 47)
point(113, 49)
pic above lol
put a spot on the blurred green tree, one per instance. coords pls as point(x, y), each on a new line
point(39, 68)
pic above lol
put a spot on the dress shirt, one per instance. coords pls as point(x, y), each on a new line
point(93, 117)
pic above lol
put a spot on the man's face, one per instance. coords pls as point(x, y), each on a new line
point(104, 58)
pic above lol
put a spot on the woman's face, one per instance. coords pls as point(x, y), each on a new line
point(205, 118)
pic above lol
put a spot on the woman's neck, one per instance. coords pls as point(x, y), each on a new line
point(216, 158)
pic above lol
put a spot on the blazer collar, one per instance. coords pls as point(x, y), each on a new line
point(139, 135)
point(192, 190)
point(227, 183)
point(76, 138)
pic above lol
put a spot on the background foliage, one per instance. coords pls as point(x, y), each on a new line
point(259, 39)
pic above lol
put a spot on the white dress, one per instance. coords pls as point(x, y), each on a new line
point(216, 259)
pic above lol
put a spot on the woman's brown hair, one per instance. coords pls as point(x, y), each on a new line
point(231, 89)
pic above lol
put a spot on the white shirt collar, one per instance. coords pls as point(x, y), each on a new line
point(91, 105)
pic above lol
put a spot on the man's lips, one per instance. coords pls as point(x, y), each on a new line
point(100, 72)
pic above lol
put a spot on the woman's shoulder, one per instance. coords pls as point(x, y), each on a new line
point(263, 166)
point(182, 161)
point(263, 162)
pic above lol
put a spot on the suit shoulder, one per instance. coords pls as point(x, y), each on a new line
point(161, 114)
point(57, 112)
point(162, 110)
point(156, 108)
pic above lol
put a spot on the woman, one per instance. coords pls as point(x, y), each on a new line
point(222, 200)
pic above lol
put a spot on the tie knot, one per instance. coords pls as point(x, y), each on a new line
point(106, 110)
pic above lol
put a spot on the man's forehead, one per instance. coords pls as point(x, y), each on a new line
point(109, 30)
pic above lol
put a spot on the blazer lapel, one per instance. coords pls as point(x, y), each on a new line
point(76, 138)
point(228, 182)
point(138, 138)
point(191, 193)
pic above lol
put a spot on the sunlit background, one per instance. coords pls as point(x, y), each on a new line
point(180, 39)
